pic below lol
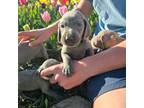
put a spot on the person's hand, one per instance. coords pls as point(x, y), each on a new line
point(34, 36)
point(78, 77)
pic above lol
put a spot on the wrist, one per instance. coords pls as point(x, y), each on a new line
point(84, 70)
point(53, 27)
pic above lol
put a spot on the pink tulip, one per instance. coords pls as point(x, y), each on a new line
point(23, 2)
point(53, 2)
point(46, 16)
point(63, 9)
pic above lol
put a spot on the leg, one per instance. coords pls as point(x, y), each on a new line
point(112, 99)
point(107, 90)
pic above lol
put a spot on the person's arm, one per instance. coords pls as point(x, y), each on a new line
point(110, 59)
point(41, 35)
point(85, 6)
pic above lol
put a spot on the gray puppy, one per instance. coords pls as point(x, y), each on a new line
point(26, 53)
point(30, 80)
point(73, 34)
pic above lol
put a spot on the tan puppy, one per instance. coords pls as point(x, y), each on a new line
point(73, 33)
point(104, 40)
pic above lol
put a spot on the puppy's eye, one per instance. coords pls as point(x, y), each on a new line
point(62, 25)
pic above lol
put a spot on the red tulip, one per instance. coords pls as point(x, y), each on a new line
point(23, 2)
point(62, 2)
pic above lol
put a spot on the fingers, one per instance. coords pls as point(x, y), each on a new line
point(63, 81)
point(52, 80)
point(51, 70)
point(31, 36)
point(25, 33)
point(58, 77)
point(35, 42)
point(22, 33)
point(24, 36)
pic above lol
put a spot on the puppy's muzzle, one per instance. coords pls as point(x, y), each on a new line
point(71, 39)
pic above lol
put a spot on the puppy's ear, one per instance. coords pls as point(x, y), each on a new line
point(87, 30)
point(107, 35)
point(97, 43)
point(59, 36)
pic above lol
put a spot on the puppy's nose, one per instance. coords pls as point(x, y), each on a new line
point(69, 38)
point(97, 50)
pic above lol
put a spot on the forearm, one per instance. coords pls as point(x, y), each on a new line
point(84, 6)
point(52, 28)
point(110, 59)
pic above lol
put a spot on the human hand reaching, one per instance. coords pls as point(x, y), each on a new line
point(35, 37)
point(78, 77)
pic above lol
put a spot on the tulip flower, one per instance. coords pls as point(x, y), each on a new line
point(43, 1)
point(73, 2)
point(23, 2)
point(26, 27)
point(53, 2)
point(62, 2)
point(46, 16)
point(63, 9)
point(77, 1)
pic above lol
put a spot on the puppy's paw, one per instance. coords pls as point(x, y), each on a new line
point(67, 70)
